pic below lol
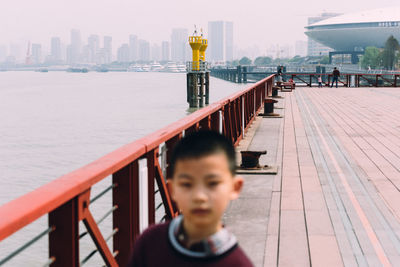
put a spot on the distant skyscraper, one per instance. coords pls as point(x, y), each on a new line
point(220, 41)
point(215, 48)
point(94, 46)
point(133, 47)
point(36, 53)
point(165, 51)
point(55, 49)
point(3, 53)
point(301, 48)
point(123, 53)
point(107, 49)
point(15, 52)
point(179, 44)
point(144, 50)
point(315, 48)
point(75, 48)
point(228, 41)
point(155, 52)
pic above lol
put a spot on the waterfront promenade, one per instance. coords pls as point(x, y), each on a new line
point(335, 200)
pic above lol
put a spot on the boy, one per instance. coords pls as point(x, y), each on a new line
point(202, 185)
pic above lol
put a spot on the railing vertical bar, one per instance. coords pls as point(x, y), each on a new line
point(143, 195)
point(215, 121)
point(126, 217)
point(64, 240)
point(170, 147)
point(150, 184)
point(242, 114)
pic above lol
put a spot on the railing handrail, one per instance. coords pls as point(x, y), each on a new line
point(311, 73)
point(24, 210)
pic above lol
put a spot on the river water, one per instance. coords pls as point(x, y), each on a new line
point(53, 123)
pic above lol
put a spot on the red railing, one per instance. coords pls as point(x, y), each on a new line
point(66, 200)
point(347, 79)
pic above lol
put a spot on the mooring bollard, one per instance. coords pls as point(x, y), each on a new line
point(269, 106)
point(275, 91)
point(250, 159)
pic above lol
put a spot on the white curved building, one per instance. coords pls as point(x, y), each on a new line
point(355, 31)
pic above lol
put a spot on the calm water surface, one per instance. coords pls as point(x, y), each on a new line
point(53, 123)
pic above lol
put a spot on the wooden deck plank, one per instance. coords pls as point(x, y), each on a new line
point(335, 200)
point(319, 226)
point(373, 158)
point(293, 242)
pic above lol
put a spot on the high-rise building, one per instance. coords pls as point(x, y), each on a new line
point(165, 51)
point(3, 53)
point(93, 47)
point(215, 48)
point(55, 53)
point(123, 53)
point(36, 53)
point(133, 47)
point(179, 44)
point(220, 41)
point(228, 41)
point(314, 48)
point(301, 48)
point(155, 52)
point(15, 52)
point(85, 55)
point(107, 49)
point(74, 49)
point(144, 50)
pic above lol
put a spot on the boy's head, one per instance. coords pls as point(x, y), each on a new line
point(203, 180)
point(201, 144)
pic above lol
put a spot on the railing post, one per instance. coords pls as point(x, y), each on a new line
point(215, 121)
point(64, 240)
point(242, 114)
point(126, 216)
point(150, 185)
point(207, 87)
point(170, 147)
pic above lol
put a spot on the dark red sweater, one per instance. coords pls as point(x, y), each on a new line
point(153, 248)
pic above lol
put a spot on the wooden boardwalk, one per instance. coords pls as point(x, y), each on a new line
point(336, 198)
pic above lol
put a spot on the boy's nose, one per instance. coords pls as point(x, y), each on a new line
point(199, 195)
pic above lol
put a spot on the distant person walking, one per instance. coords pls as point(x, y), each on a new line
point(279, 74)
point(336, 75)
point(319, 81)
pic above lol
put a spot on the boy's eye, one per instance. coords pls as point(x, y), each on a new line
point(213, 183)
point(187, 185)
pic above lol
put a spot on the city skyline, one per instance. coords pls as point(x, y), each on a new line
point(97, 49)
point(39, 20)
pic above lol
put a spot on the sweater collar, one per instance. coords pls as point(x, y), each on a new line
point(214, 245)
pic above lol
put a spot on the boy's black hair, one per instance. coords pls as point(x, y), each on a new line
point(204, 143)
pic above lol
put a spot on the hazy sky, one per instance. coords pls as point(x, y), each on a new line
point(258, 22)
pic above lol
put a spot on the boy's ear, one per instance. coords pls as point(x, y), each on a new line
point(237, 186)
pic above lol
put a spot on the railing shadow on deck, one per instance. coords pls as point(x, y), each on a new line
point(136, 170)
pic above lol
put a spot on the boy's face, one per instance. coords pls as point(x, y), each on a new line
point(202, 188)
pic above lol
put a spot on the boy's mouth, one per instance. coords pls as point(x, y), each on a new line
point(200, 211)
